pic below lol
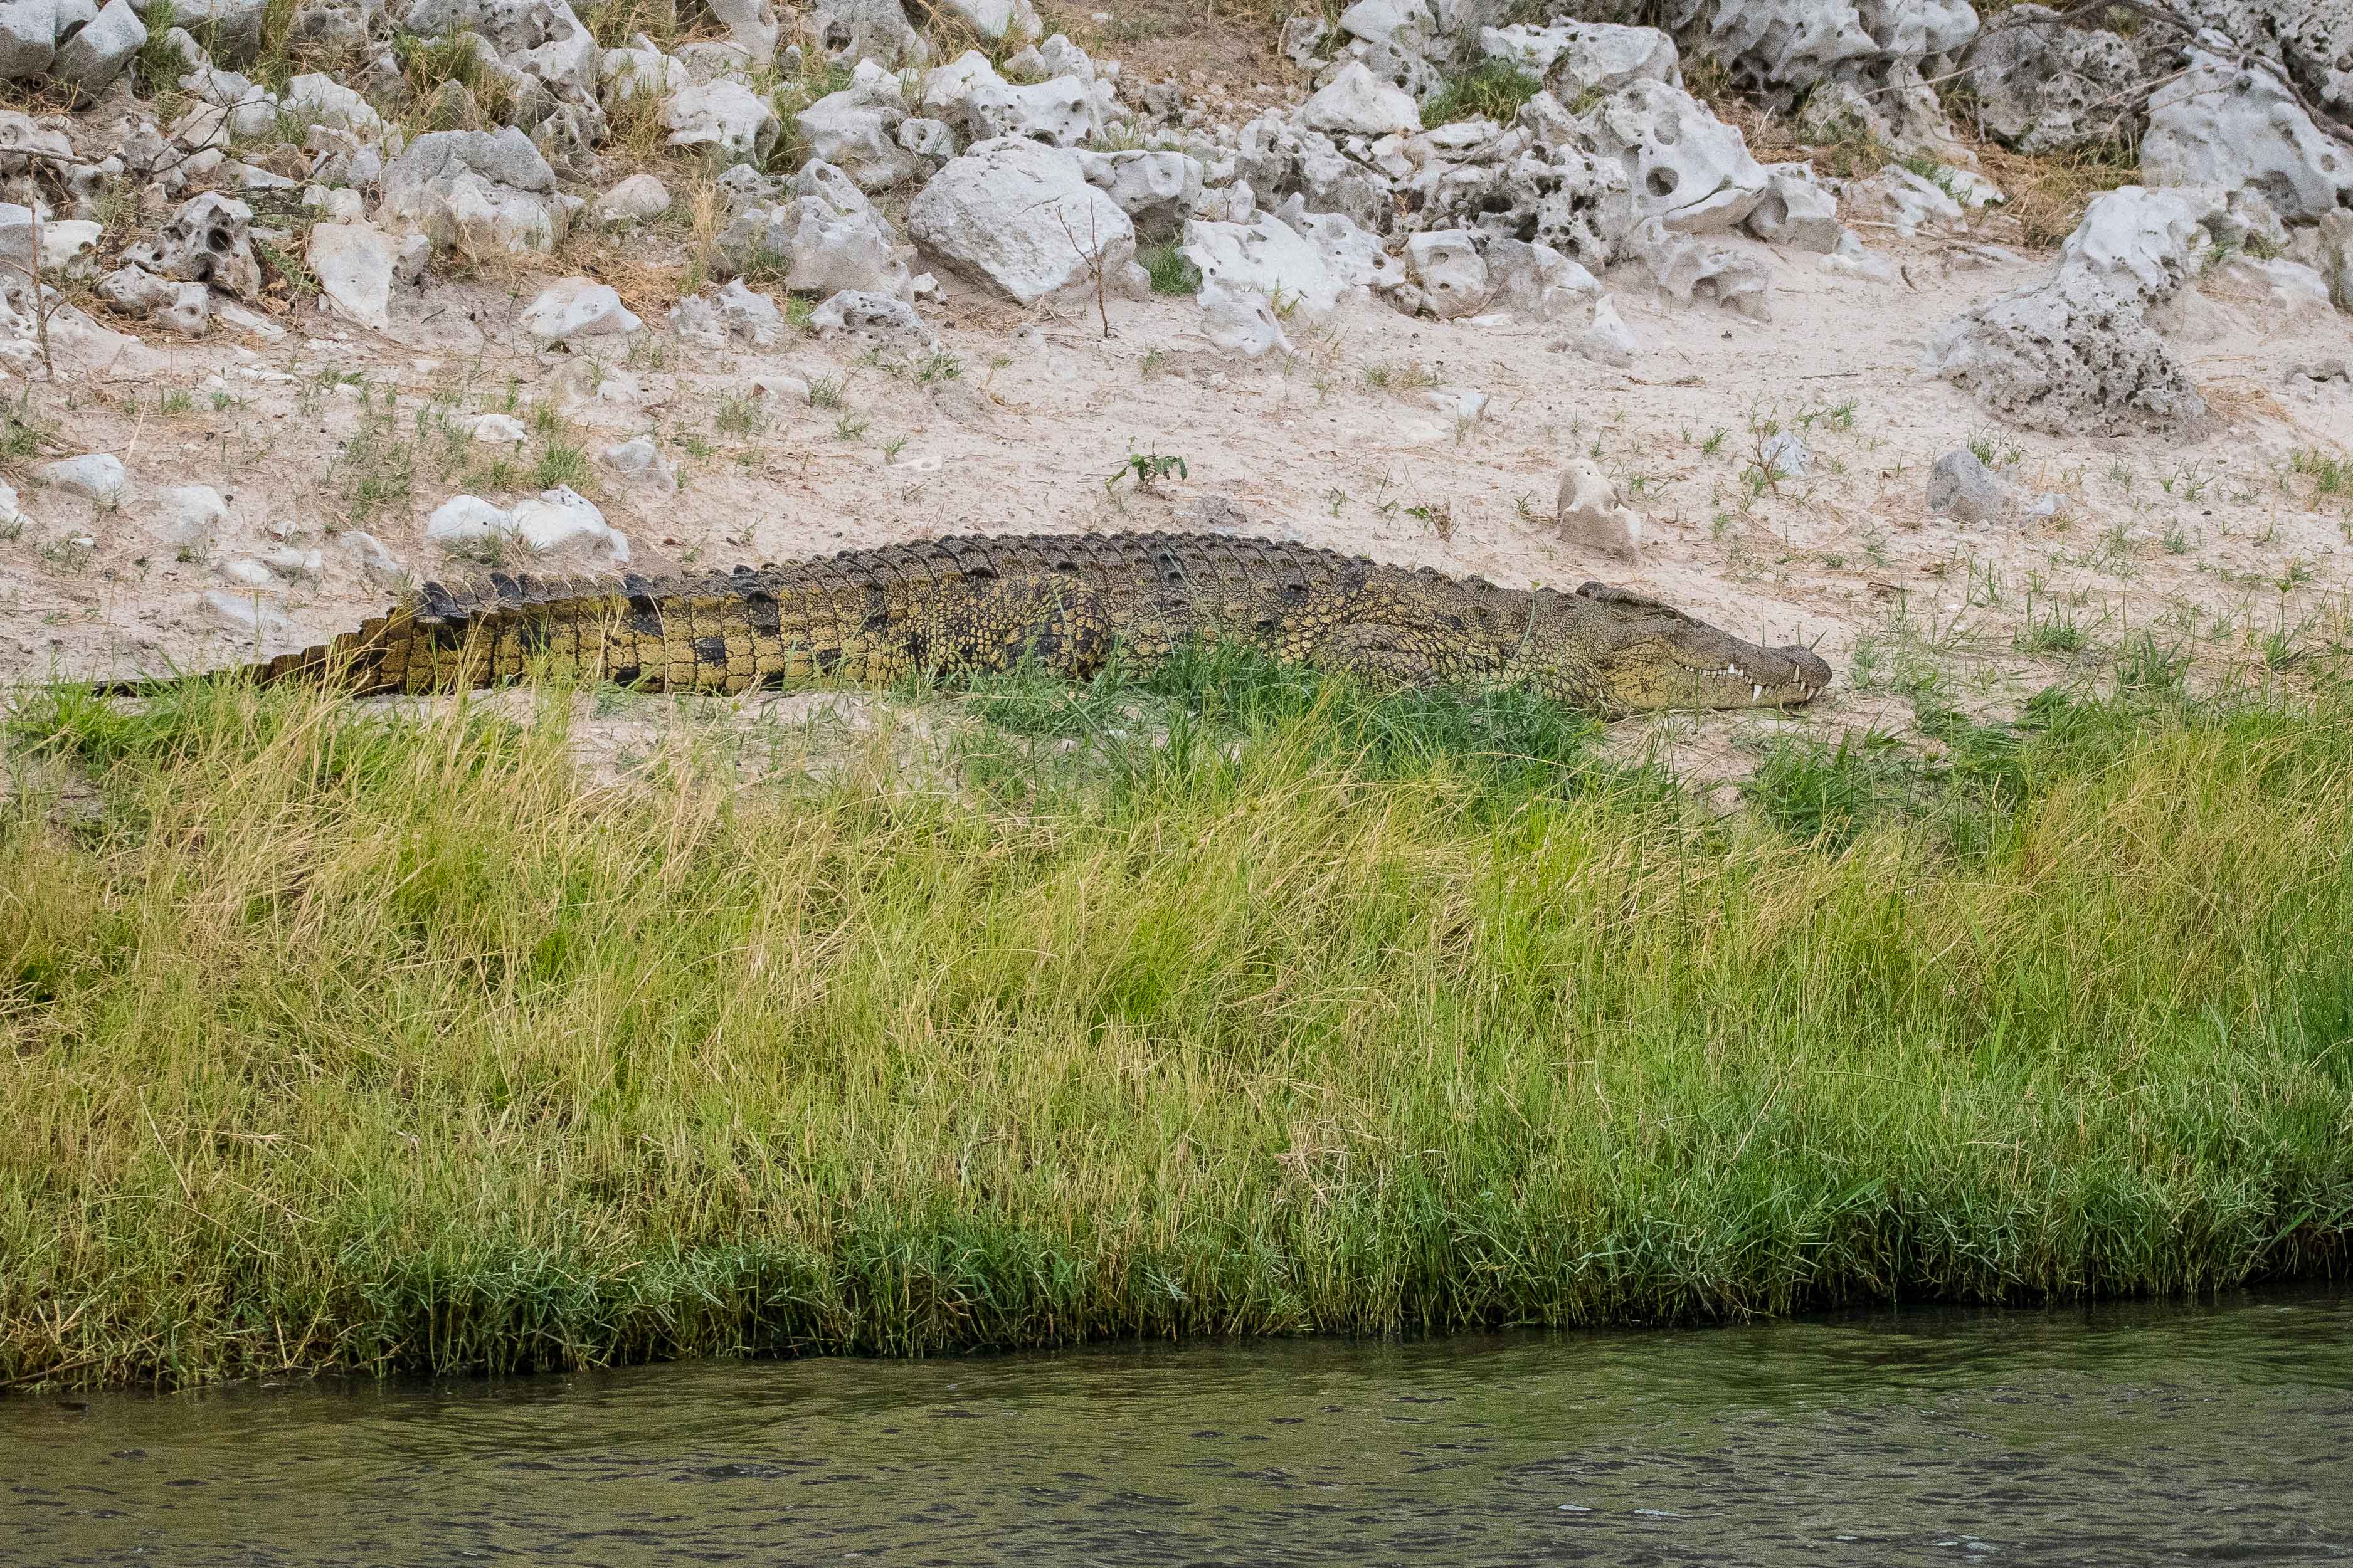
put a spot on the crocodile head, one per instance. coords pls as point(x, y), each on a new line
point(1646, 656)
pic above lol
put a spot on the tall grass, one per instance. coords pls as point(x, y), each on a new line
point(1246, 1006)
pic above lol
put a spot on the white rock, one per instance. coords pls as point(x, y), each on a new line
point(1021, 216)
point(377, 565)
point(1241, 321)
point(1851, 260)
point(1684, 167)
point(246, 615)
point(828, 237)
point(246, 573)
point(576, 308)
point(1897, 196)
point(2219, 124)
point(1962, 488)
point(1785, 456)
point(725, 116)
point(881, 317)
point(94, 475)
point(2280, 283)
point(10, 513)
point(563, 520)
point(324, 101)
point(2140, 242)
point(1357, 103)
point(1796, 212)
point(1264, 257)
point(478, 193)
point(1448, 267)
point(352, 262)
point(463, 521)
point(1537, 281)
point(1156, 190)
point(1593, 515)
point(641, 462)
point(856, 130)
point(89, 61)
point(193, 514)
point(2070, 355)
point(498, 429)
point(1608, 340)
point(995, 19)
point(630, 203)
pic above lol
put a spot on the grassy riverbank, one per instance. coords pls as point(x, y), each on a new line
point(343, 1044)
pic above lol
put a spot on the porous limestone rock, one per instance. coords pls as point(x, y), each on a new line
point(1019, 216)
point(856, 130)
point(1264, 257)
point(997, 19)
point(1155, 189)
point(321, 100)
point(192, 515)
point(1903, 200)
point(2237, 127)
point(2070, 355)
point(827, 236)
point(877, 30)
point(1795, 211)
point(183, 307)
point(862, 313)
point(1448, 269)
point(206, 241)
point(1577, 58)
point(1693, 272)
point(1684, 167)
point(1535, 280)
point(2143, 244)
point(2041, 86)
point(478, 193)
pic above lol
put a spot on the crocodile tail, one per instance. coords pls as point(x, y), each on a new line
point(351, 662)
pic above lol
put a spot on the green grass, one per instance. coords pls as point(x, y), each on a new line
point(1236, 1003)
point(1170, 272)
point(1494, 90)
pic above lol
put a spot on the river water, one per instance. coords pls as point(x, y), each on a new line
point(2116, 1436)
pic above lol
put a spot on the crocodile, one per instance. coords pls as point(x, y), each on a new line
point(971, 604)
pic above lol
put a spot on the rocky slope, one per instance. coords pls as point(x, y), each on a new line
point(302, 303)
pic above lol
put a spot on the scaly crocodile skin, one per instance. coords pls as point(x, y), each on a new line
point(959, 606)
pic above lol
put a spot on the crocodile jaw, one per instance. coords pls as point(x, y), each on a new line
point(1714, 669)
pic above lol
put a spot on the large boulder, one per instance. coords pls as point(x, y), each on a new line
point(2313, 38)
point(28, 38)
point(2143, 244)
point(1154, 188)
point(2043, 87)
point(1564, 196)
point(1264, 257)
point(2070, 355)
point(1579, 59)
point(1020, 217)
point(2238, 127)
point(478, 193)
point(91, 59)
point(1684, 167)
point(968, 94)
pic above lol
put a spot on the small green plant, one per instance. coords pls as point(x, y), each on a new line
point(938, 365)
point(825, 391)
point(848, 427)
point(1147, 471)
point(1170, 272)
point(561, 462)
point(1494, 90)
point(173, 401)
point(892, 447)
point(740, 416)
